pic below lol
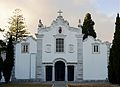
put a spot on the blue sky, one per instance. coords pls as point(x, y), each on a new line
point(103, 13)
point(108, 6)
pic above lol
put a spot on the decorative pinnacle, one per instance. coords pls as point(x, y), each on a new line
point(40, 23)
point(79, 21)
point(79, 25)
point(59, 12)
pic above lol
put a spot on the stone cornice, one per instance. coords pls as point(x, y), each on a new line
point(39, 35)
point(97, 40)
point(59, 36)
point(79, 36)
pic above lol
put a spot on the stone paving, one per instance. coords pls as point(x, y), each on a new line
point(60, 84)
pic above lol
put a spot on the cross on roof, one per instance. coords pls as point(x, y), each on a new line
point(59, 12)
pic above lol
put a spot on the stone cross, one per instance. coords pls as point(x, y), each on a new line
point(59, 12)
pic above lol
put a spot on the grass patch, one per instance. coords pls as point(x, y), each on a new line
point(26, 85)
point(90, 85)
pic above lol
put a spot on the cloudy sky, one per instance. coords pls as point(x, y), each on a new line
point(103, 13)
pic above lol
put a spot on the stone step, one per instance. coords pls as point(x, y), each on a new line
point(60, 84)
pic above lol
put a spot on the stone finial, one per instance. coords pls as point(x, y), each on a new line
point(79, 23)
point(40, 23)
point(60, 13)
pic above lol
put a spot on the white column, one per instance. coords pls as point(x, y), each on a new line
point(53, 73)
point(44, 73)
point(75, 72)
point(66, 74)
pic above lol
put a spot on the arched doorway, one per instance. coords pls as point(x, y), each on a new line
point(59, 71)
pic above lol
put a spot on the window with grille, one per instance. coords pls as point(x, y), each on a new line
point(96, 48)
point(25, 48)
point(59, 45)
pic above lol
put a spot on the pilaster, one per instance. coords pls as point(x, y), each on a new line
point(66, 73)
point(53, 73)
point(79, 73)
point(39, 66)
point(108, 51)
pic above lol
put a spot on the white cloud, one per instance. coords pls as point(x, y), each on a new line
point(33, 10)
point(83, 2)
point(104, 26)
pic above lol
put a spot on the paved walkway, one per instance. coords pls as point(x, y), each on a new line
point(60, 84)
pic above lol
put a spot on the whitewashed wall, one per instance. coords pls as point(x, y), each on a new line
point(50, 34)
point(94, 65)
point(25, 62)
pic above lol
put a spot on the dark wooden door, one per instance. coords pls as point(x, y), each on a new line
point(70, 73)
point(48, 73)
point(59, 71)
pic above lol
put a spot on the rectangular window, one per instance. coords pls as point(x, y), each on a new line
point(59, 45)
point(96, 48)
point(25, 48)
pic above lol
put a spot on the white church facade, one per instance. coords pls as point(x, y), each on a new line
point(59, 53)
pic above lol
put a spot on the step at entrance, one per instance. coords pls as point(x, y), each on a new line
point(60, 84)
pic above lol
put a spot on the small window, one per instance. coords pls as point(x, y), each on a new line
point(96, 48)
point(59, 45)
point(25, 48)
